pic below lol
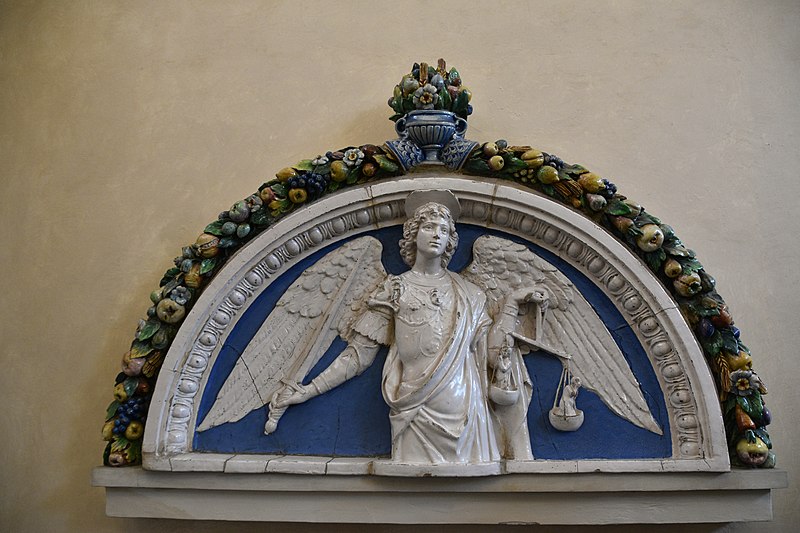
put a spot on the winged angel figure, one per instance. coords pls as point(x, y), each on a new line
point(454, 378)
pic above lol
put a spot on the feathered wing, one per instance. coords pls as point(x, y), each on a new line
point(316, 308)
point(570, 325)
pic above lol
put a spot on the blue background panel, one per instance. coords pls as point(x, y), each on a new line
point(353, 420)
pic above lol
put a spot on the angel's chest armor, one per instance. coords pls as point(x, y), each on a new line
point(424, 318)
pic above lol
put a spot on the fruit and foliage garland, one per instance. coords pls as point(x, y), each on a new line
point(677, 267)
point(292, 188)
point(740, 389)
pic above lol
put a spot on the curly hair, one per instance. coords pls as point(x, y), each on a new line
point(408, 244)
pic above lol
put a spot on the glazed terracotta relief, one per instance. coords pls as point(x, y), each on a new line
point(432, 305)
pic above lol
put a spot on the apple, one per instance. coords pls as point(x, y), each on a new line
point(134, 431)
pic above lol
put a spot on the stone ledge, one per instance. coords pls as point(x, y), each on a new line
point(626, 498)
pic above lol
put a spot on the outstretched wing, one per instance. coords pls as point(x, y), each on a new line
point(570, 325)
point(301, 327)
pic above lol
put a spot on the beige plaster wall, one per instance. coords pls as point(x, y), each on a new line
point(126, 126)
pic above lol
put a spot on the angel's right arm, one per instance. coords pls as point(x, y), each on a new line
point(370, 330)
point(355, 359)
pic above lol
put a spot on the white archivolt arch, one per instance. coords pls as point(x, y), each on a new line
point(696, 427)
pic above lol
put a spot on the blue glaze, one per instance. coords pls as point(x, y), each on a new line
point(352, 420)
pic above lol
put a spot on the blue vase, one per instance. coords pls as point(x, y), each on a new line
point(431, 130)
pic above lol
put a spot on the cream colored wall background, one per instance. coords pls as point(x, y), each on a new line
point(127, 126)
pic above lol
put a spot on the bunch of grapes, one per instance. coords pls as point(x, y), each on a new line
point(131, 409)
point(314, 184)
point(608, 190)
point(553, 161)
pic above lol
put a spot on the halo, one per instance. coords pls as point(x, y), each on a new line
point(439, 196)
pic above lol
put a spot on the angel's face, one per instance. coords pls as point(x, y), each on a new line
point(432, 236)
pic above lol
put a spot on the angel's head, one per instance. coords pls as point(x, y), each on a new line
point(438, 230)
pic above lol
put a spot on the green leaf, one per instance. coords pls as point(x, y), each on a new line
point(712, 345)
point(677, 250)
point(140, 349)
point(396, 116)
point(407, 105)
point(762, 434)
point(305, 164)
point(460, 105)
point(575, 170)
point(655, 259)
point(208, 265)
point(130, 385)
point(618, 207)
point(169, 275)
point(260, 217)
point(150, 328)
point(279, 189)
point(513, 164)
point(756, 405)
point(333, 186)
point(444, 98)
point(729, 342)
point(111, 410)
point(744, 403)
point(352, 175)
point(171, 284)
point(215, 228)
point(730, 403)
point(477, 166)
point(689, 264)
point(386, 164)
point(323, 169)
point(119, 444)
point(134, 452)
point(548, 190)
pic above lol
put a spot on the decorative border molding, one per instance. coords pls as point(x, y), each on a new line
point(695, 419)
point(542, 498)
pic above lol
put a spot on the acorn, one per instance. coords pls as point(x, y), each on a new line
point(651, 239)
point(672, 268)
point(547, 175)
point(207, 245)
